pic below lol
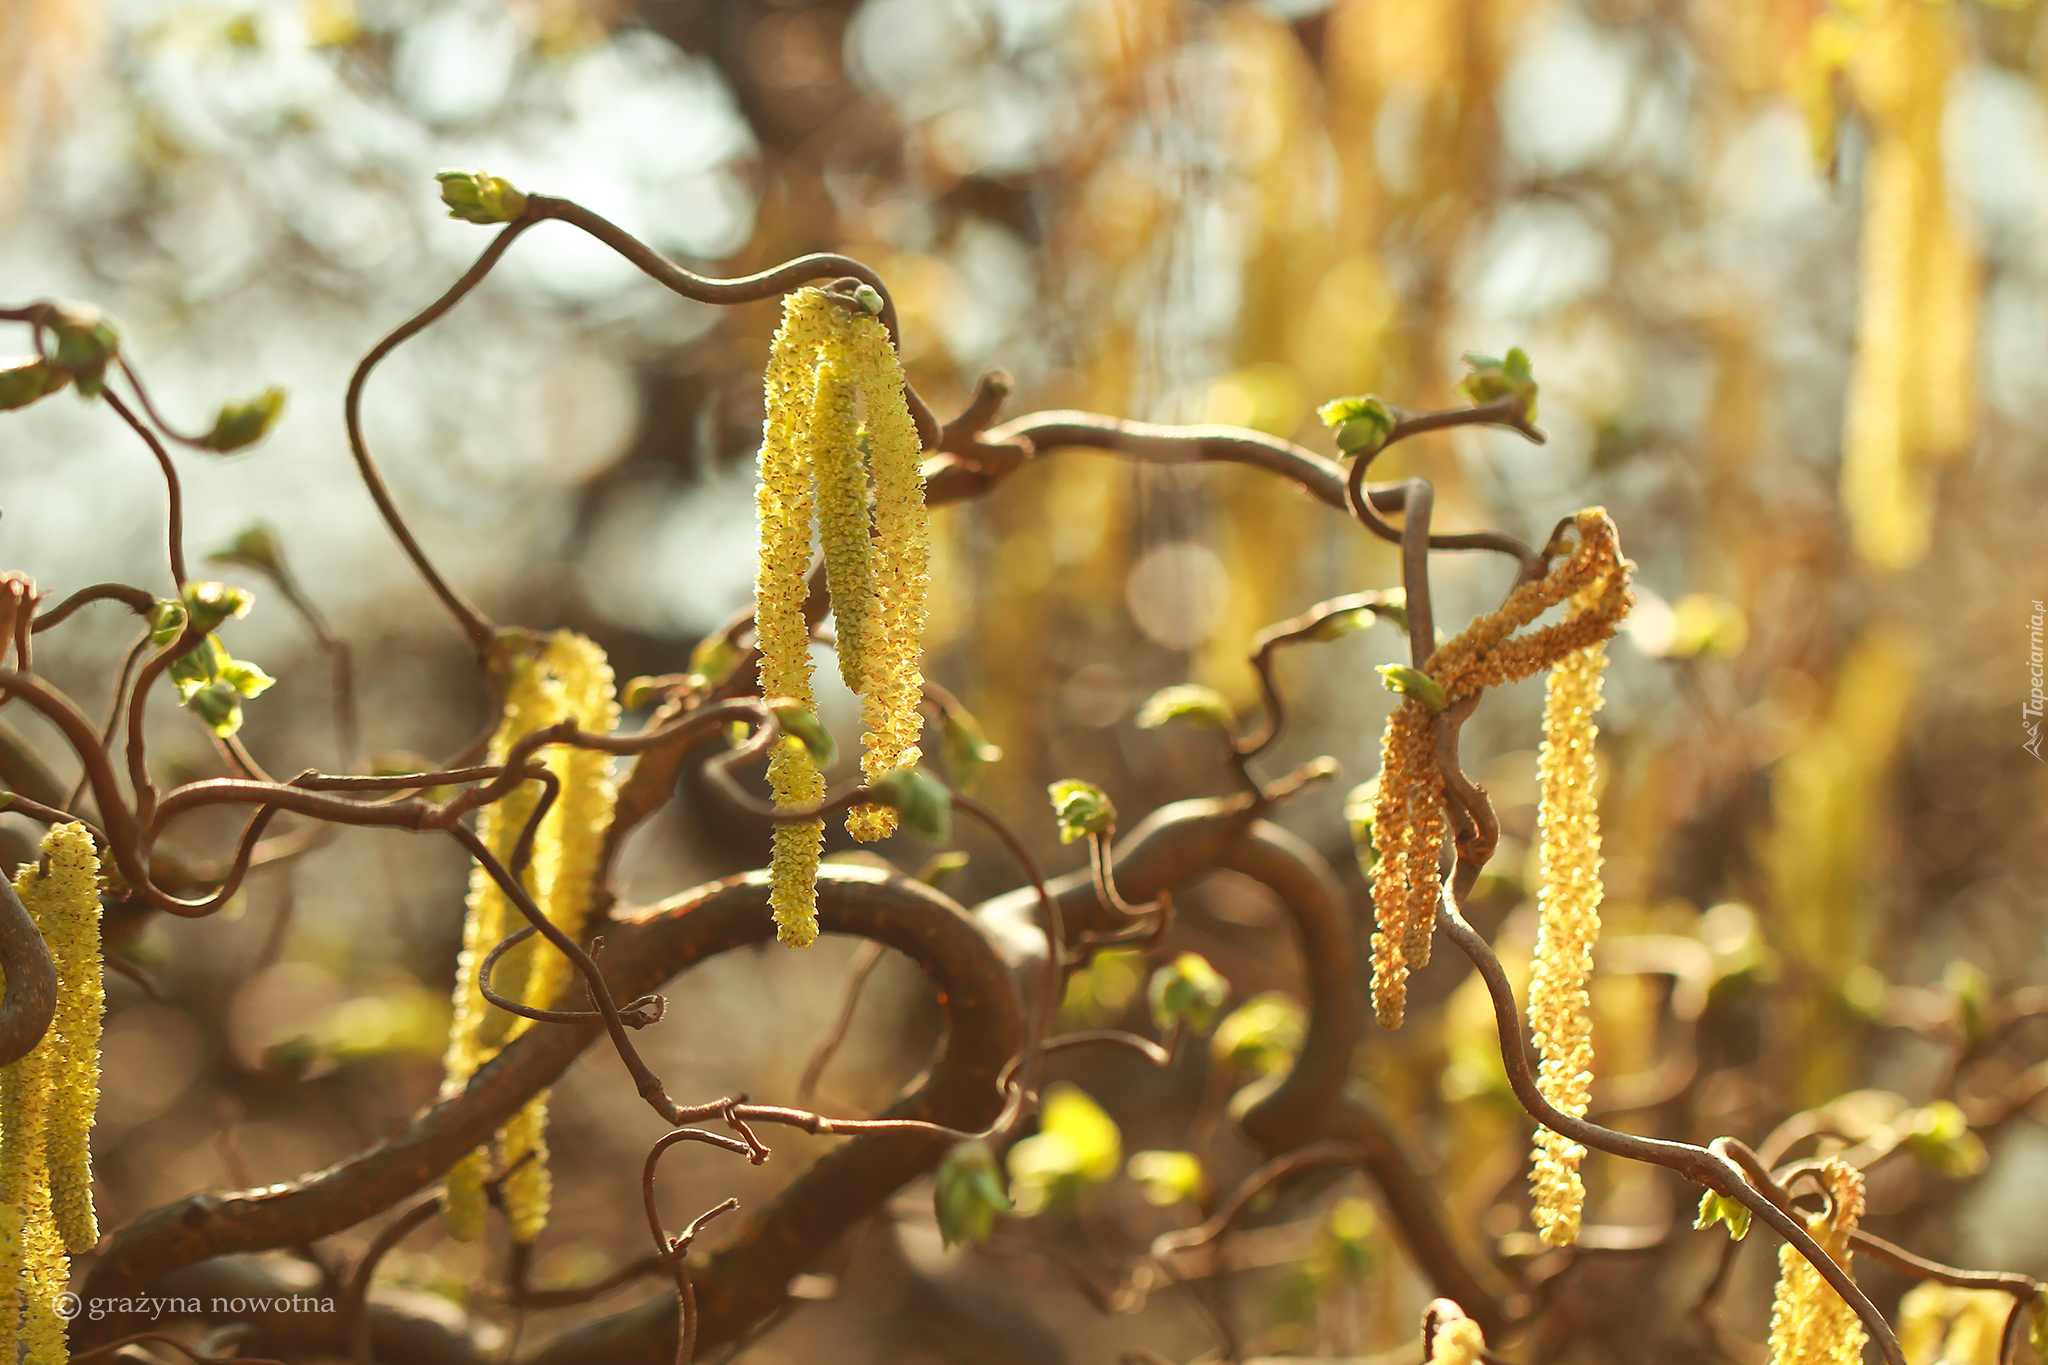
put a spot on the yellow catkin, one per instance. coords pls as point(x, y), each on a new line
point(533, 698)
point(1560, 1011)
point(903, 541)
point(843, 530)
point(1410, 827)
point(573, 836)
point(66, 907)
point(1810, 1322)
point(785, 505)
point(1938, 1323)
point(47, 1099)
point(1457, 1342)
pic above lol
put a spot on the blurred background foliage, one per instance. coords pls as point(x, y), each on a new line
point(1782, 266)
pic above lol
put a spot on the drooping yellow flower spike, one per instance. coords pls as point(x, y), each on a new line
point(836, 417)
point(1560, 1011)
point(784, 506)
point(1409, 824)
point(47, 1102)
point(564, 678)
point(1810, 1323)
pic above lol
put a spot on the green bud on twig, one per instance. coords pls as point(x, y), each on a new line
point(1187, 991)
point(941, 868)
point(1719, 1208)
point(714, 659)
point(86, 342)
point(1082, 808)
point(1361, 423)
point(923, 802)
point(870, 298)
point(1412, 682)
point(241, 425)
point(166, 622)
point(967, 746)
point(24, 379)
point(801, 724)
point(969, 1194)
point(1492, 379)
point(480, 197)
point(212, 603)
point(1190, 702)
point(254, 547)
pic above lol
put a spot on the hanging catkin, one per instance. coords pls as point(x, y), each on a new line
point(1409, 827)
point(1810, 1323)
point(1560, 1011)
point(837, 421)
point(564, 677)
point(47, 1103)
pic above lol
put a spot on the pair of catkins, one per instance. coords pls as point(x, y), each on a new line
point(47, 1103)
point(1409, 827)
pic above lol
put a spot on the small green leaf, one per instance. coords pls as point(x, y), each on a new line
point(1491, 379)
point(800, 723)
point(1077, 1145)
point(967, 747)
point(212, 603)
point(219, 704)
point(246, 678)
point(714, 659)
point(1082, 809)
point(1361, 423)
point(1719, 1208)
point(166, 622)
point(941, 868)
point(921, 799)
point(24, 379)
point(969, 1194)
point(198, 667)
point(254, 547)
point(1410, 682)
point(1939, 1136)
point(241, 425)
point(480, 197)
point(1187, 991)
point(86, 343)
point(1188, 702)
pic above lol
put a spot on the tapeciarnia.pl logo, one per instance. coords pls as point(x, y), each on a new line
point(2030, 709)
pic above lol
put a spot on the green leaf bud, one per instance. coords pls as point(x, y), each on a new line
point(1939, 1136)
point(1411, 682)
point(970, 1192)
point(1719, 1208)
point(1082, 808)
point(923, 802)
point(166, 622)
point(1491, 379)
point(1169, 1178)
point(870, 298)
point(254, 547)
point(241, 425)
point(86, 342)
point(714, 659)
point(1187, 991)
point(213, 603)
point(967, 747)
point(1189, 702)
point(480, 197)
point(802, 724)
point(24, 379)
point(219, 704)
point(1263, 1034)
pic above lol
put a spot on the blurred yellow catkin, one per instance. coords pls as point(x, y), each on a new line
point(1457, 1342)
point(47, 1103)
point(564, 677)
point(1810, 1323)
point(1912, 396)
